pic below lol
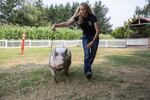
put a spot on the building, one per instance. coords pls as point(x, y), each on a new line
point(141, 26)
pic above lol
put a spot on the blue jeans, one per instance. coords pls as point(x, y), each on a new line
point(89, 53)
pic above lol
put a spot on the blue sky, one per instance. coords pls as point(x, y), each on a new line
point(119, 10)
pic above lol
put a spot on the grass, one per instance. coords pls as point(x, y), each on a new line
point(119, 74)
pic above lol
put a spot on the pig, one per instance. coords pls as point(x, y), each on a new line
point(60, 59)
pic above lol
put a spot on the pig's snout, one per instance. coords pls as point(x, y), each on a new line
point(59, 67)
point(59, 64)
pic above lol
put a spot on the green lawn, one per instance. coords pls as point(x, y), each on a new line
point(119, 74)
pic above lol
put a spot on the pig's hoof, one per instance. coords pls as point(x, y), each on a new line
point(55, 82)
point(67, 74)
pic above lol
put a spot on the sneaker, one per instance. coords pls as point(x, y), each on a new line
point(89, 75)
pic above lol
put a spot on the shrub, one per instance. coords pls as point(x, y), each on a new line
point(122, 32)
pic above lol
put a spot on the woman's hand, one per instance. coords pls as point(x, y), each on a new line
point(90, 44)
point(54, 27)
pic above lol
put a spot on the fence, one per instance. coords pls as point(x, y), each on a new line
point(48, 43)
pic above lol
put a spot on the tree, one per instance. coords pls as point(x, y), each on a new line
point(8, 10)
point(28, 15)
point(32, 14)
point(39, 4)
point(51, 14)
point(101, 11)
point(145, 11)
point(67, 11)
point(42, 18)
point(60, 13)
point(74, 7)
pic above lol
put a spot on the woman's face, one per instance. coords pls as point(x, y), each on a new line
point(83, 11)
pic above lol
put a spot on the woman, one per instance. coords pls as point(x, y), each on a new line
point(89, 24)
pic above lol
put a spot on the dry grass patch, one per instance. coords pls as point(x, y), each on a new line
point(119, 74)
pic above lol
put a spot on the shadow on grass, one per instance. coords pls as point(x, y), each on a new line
point(136, 59)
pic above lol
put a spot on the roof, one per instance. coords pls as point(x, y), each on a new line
point(140, 22)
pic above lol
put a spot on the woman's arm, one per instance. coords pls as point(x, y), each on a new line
point(96, 25)
point(63, 24)
point(96, 34)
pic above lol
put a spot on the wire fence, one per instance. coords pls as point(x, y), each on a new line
point(122, 43)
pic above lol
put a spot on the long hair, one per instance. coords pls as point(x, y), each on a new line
point(89, 10)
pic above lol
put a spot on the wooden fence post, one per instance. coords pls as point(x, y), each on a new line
point(6, 44)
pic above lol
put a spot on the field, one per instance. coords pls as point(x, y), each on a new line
point(118, 74)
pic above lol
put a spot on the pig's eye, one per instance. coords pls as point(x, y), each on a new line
point(56, 54)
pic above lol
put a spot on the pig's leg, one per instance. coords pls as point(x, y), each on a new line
point(55, 80)
point(53, 74)
point(66, 68)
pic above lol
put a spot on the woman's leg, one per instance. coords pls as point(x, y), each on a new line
point(93, 51)
point(87, 65)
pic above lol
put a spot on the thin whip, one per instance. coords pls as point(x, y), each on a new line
point(52, 40)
